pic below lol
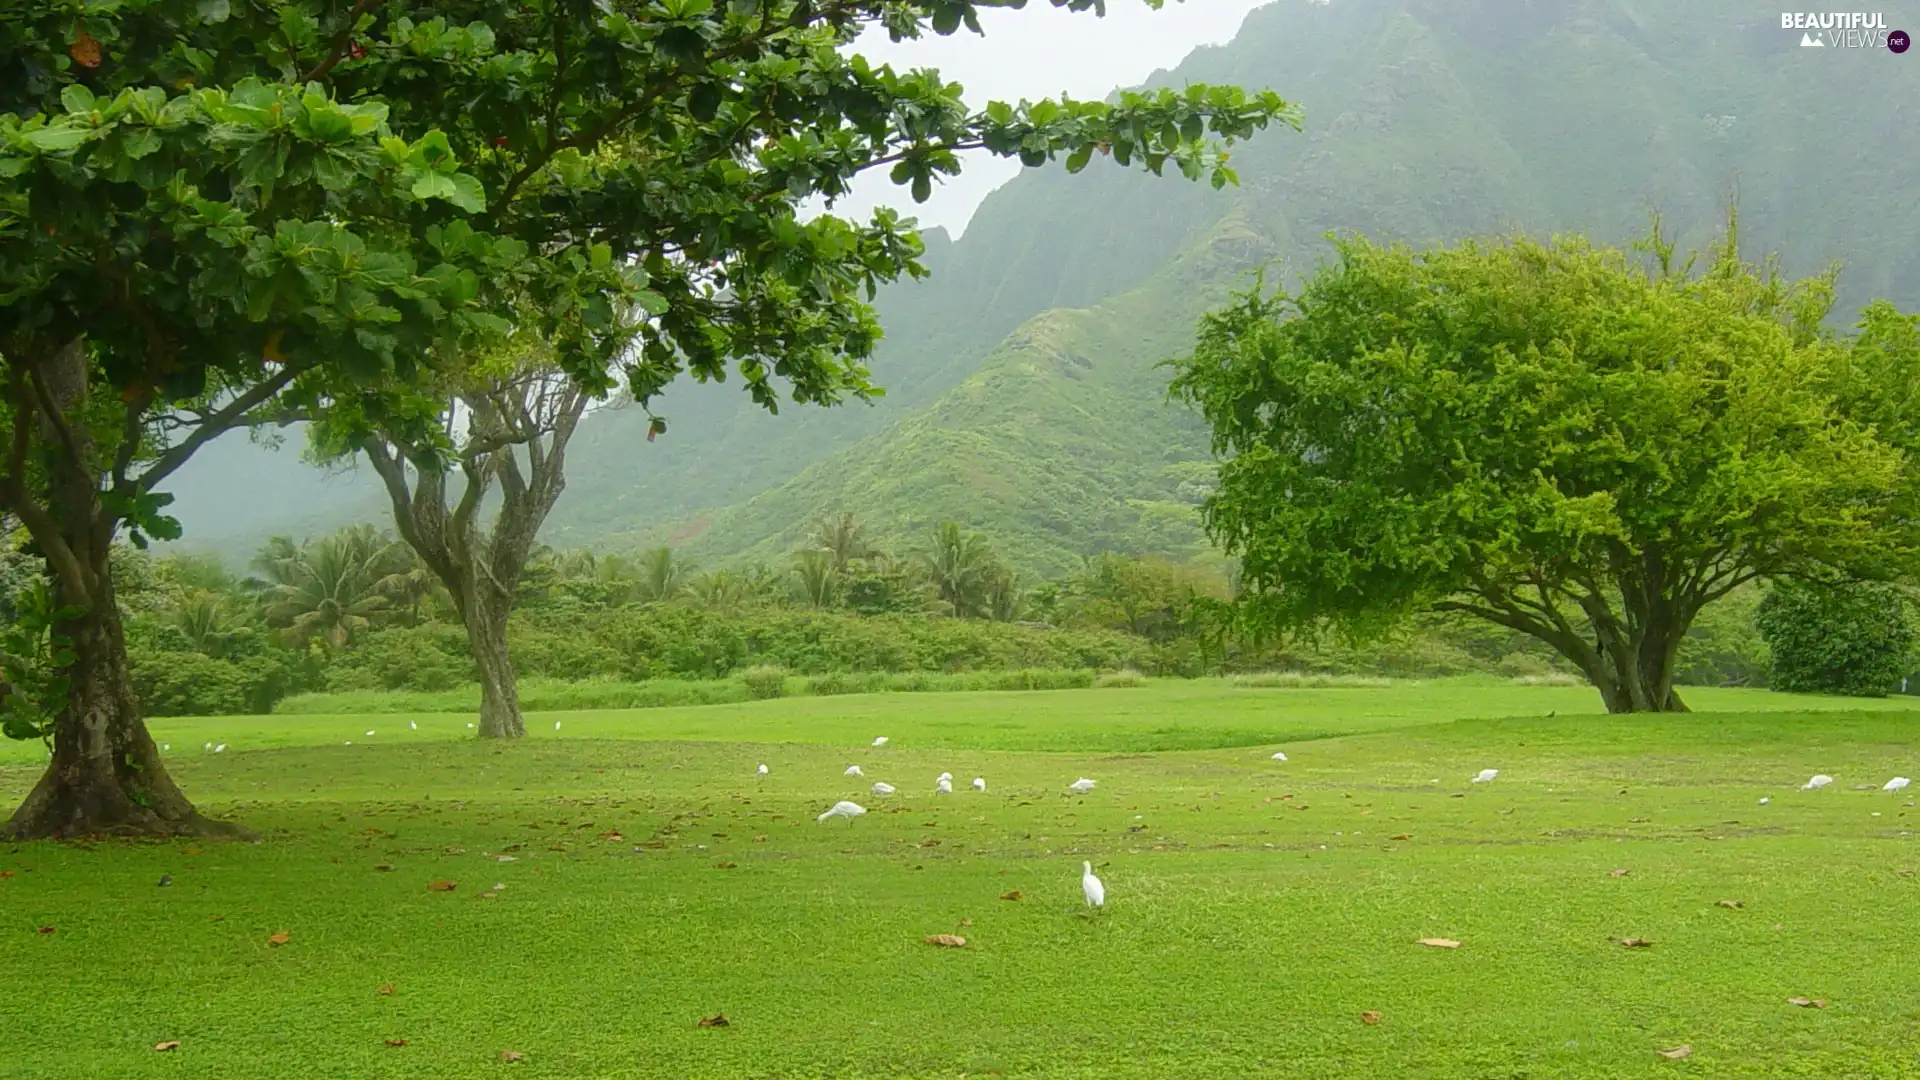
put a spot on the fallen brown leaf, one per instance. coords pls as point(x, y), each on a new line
point(1635, 942)
point(966, 922)
point(441, 886)
point(511, 1055)
point(612, 836)
point(1678, 1052)
point(1439, 942)
point(1014, 895)
point(488, 895)
point(455, 851)
point(931, 841)
point(761, 839)
point(1730, 904)
point(280, 938)
point(1808, 1003)
point(716, 1020)
point(385, 868)
point(950, 941)
point(5, 874)
point(1637, 821)
point(1369, 1017)
point(170, 1044)
point(46, 929)
point(396, 1042)
point(1403, 836)
point(386, 990)
point(1618, 873)
point(724, 865)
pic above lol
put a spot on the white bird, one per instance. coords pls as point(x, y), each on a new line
point(1820, 780)
point(1082, 785)
point(1486, 775)
point(369, 732)
point(882, 788)
point(1279, 757)
point(1898, 783)
point(944, 776)
point(762, 770)
point(1764, 800)
point(1096, 892)
point(221, 749)
point(206, 746)
point(943, 786)
point(469, 723)
point(979, 783)
point(880, 741)
point(556, 725)
point(843, 809)
point(166, 746)
point(412, 724)
point(854, 770)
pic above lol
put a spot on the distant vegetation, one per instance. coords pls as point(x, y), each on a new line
point(352, 615)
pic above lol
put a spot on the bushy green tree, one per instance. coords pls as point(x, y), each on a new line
point(1853, 639)
point(1555, 437)
point(307, 204)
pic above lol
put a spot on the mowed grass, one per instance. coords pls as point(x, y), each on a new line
point(1255, 909)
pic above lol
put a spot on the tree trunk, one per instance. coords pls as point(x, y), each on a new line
point(1626, 686)
point(499, 692)
point(106, 776)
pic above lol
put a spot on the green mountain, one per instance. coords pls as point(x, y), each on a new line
point(1025, 395)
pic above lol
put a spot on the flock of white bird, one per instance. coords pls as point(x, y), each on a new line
point(1091, 886)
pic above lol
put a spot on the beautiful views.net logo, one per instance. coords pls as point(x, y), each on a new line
point(1844, 30)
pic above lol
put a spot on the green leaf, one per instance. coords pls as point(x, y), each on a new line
point(53, 140)
point(704, 102)
point(1079, 158)
point(467, 194)
point(433, 185)
point(76, 98)
point(651, 302)
point(214, 11)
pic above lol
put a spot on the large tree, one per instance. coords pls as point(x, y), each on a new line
point(210, 212)
point(1567, 440)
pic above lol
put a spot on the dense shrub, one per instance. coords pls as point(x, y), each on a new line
point(1844, 639)
point(171, 679)
point(765, 681)
point(421, 658)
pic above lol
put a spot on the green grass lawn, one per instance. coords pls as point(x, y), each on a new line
point(1255, 909)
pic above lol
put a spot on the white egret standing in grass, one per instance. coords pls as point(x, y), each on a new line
point(1486, 775)
point(369, 732)
point(844, 809)
point(979, 783)
point(556, 725)
point(1819, 780)
point(1898, 783)
point(944, 776)
point(414, 725)
point(882, 788)
point(221, 749)
point(854, 770)
point(1096, 892)
point(880, 740)
point(469, 723)
point(943, 786)
point(1279, 757)
point(1082, 785)
point(762, 770)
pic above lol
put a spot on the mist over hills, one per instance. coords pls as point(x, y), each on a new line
point(1024, 392)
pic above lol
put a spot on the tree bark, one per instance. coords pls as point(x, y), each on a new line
point(106, 776)
point(499, 692)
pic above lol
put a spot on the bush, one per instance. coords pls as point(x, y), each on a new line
point(765, 681)
point(1125, 678)
point(1845, 639)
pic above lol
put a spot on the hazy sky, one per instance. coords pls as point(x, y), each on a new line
point(1042, 51)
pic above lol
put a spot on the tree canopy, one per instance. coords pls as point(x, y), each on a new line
point(211, 213)
point(1554, 436)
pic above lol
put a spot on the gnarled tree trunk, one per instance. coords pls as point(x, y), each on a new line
point(534, 413)
point(106, 776)
point(486, 622)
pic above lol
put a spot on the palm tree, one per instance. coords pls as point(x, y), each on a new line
point(661, 577)
point(843, 538)
point(816, 578)
point(335, 587)
point(720, 589)
point(960, 565)
point(208, 622)
point(1005, 600)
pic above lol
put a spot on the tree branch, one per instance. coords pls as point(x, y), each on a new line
point(340, 41)
point(219, 423)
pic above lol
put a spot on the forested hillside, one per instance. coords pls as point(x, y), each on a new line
point(1025, 395)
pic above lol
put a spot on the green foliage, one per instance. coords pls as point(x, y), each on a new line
point(33, 660)
point(1550, 437)
point(765, 681)
point(1855, 639)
